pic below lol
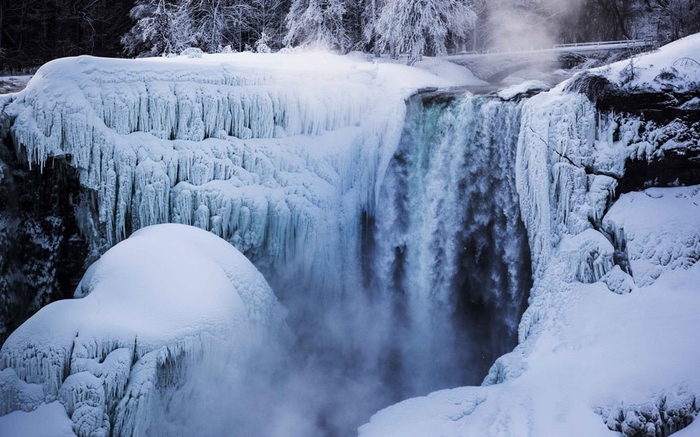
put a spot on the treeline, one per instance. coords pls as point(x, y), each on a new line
point(33, 32)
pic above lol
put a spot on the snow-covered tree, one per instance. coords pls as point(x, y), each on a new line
point(162, 26)
point(267, 18)
point(319, 22)
point(417, 27)
point(218, 23)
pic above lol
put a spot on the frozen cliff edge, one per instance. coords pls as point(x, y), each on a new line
point(156, 306)
point(277, 154)
point(609, 341)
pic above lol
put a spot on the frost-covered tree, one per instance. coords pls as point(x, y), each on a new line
point(418, 27)
point(267, 17)
point(162, 26)
point(169, 26)
point(218, 23)
point(319, 22)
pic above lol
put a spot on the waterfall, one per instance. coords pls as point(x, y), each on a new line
point(405, 268)
point(449, 250)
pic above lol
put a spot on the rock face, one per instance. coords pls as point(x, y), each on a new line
point(42, 250)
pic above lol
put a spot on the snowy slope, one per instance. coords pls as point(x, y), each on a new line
point(157, 305)
point(610, 338)
point(675, 67)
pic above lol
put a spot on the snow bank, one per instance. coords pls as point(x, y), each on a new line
point(660, 229)
point(49, 420)
point(260, 149)
point(168, 298)
point(603, 352)
point(674, 67)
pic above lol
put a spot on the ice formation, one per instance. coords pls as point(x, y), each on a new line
point(167, 300)
point(265, 151)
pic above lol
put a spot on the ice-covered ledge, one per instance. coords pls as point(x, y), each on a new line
point(260, 149)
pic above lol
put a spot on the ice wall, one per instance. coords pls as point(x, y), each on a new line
point(275, 159)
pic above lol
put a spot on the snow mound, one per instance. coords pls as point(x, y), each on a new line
point(168, 298)
point(458, 75)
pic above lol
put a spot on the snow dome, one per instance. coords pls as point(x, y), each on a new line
point(156, 307)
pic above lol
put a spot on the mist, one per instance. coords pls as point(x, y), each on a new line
point(512, 25)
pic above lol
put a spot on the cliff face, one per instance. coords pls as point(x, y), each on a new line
point(42, 251)
point(659, 122)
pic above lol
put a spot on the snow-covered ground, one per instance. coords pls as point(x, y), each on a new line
point(168, 300)
point(674, 67)
point(610, 338)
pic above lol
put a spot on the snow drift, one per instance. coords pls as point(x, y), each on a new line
point(168, 300)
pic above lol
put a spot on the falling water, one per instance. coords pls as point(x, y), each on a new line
point(449, 250)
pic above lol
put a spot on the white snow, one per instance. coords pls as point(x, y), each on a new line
point(169, 295)
point(660, 227)
point(528, 86)
point(49, 420)
point(458, 75)
point(680, 58)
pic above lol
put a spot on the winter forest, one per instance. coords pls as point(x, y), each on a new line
point(33, 32)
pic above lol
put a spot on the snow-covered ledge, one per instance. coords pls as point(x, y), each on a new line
point(610, 339)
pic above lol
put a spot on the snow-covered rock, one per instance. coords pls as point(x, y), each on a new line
point(168, 299)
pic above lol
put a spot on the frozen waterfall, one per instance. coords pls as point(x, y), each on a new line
point(392, 235)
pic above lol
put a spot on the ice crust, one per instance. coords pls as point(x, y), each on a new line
point(167, 298)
